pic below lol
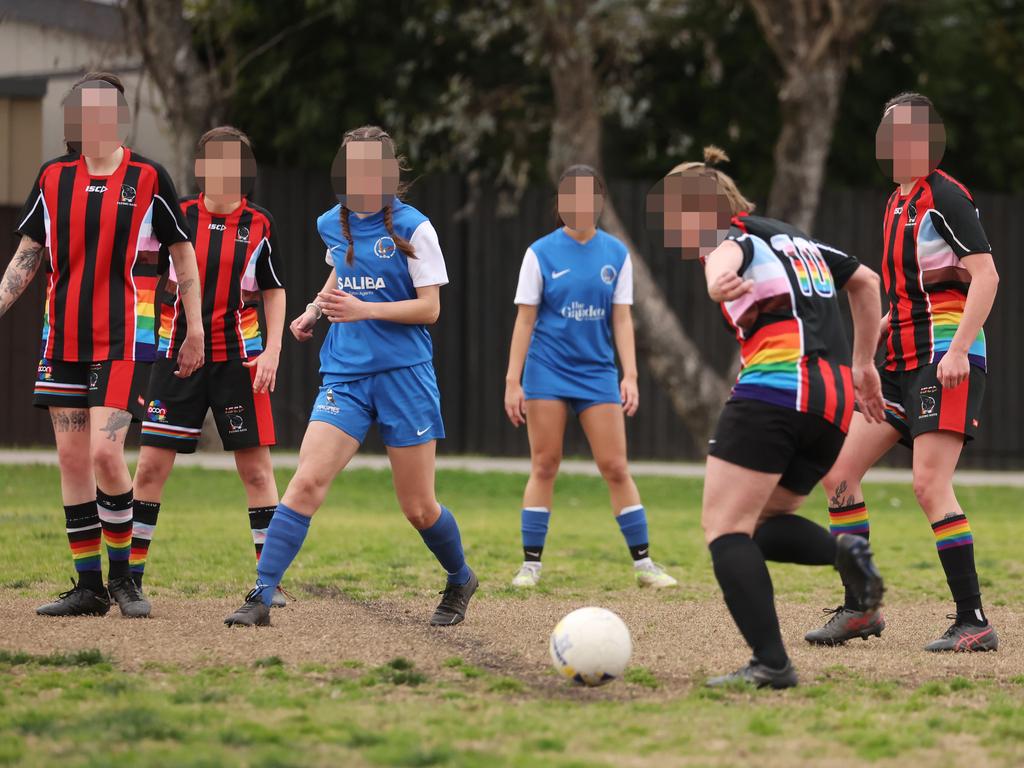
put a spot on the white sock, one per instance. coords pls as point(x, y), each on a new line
point(644, 562)
point(533, 565)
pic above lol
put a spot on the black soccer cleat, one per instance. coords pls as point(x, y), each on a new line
point(129, 597)
point(857, 569)
point(77, 601)
point(253, 612)
point(963, 638)
point(758, 675)
point(452, 608)
point(846, 624)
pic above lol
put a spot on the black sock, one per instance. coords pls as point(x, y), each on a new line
point(82, 524)
point(955, 543)
point(145, 515)
point(795, 539)
point(747, 588)
point(532, 554)
point(640, 551)
point(853, 519)
point(116, 517)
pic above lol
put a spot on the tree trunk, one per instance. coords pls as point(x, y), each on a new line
point(695, 391)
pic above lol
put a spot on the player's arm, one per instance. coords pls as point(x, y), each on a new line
point(267, 361)
point(625, 345)
point(863, 290)
point(955, 366)
point(721, 270)
point(19, 272)
point(192, 351)
point(302, 326)
point(342, 307)
point(515, 401)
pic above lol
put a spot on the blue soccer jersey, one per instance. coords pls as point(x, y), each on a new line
point(574, 285)
point(379, 272)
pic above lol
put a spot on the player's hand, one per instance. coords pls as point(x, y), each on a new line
point(266, 370)
point(868, 387)
point(302, 326)
point(515, 403)
point(630, 395)
point(729, 286)
point(191, 355)
point(953, 370)
point(341, 307)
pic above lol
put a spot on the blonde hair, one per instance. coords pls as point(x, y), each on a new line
point(714, 156)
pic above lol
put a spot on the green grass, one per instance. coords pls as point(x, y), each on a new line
point(78, 708)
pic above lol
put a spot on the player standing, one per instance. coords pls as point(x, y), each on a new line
point(574, 297)
point(103, 212)
point(239, 263)
point(941, 281)
point(377, 366)
point(786, 419)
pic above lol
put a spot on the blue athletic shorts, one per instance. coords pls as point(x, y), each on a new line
point(404, 402)
point(542, 383)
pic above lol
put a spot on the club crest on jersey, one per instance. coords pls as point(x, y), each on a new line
point(156, 411)
point(608, 273)
point(127, 195)
point(385, 247)
point(243, 235)
point(361, 283)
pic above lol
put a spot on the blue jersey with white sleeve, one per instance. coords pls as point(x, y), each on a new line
point(574, 286)
point(379, 272)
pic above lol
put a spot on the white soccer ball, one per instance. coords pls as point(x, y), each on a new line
point(591, 646)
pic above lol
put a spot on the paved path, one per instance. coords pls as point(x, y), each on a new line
point(288, 460)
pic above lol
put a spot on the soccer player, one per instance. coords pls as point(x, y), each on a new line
point(103, 213)
point(790, 407)
point(377, 366)
point(239, 263)
point(574, 297)
point(941, 281)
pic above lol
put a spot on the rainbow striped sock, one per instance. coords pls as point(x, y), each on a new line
point(143, 526)
point(952, 532)
point(84, 536)
point(849, 519)
point(115, 513)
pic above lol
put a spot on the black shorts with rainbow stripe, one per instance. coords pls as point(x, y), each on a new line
point(117, 384)
point(916, 403)
point(175, 408)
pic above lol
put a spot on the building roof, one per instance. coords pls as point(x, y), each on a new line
point(90, 19)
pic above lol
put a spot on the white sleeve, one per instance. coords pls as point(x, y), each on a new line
point(530, 290)
point(623, 293)
point(428, 266)
point(329, 257)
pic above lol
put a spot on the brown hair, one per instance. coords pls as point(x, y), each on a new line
point(579, 169)
point(910, 98)
point(106, 77)
point(376, 133)
point(713, 156)
point(223, 132)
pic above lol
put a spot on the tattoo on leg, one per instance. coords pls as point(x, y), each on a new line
point(118, 420)
point(73, 421)
point(952, 514)
point(840, 498)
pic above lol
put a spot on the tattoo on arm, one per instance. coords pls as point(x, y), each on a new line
point(19, 273)
point(841, 498)
point(69, 420)
point(185, 286)
point(118, 420)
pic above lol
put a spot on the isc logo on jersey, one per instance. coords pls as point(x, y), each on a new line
point(96, 188)
point(361, 283)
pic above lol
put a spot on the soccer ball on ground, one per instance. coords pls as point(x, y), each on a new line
point(591, 646)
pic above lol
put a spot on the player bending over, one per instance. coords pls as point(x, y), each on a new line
point(941, 281)
point(377, 366)
point(574, 296)
point(103, 213)
point(239, 263)
point(786, 419)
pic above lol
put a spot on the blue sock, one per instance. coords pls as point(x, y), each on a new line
point(285, 535)
point(633, 524)
point(535, 531)
point(445, 541)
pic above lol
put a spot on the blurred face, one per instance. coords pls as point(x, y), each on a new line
point(690, 213)
point(910, 142)
point(579, 202)
point(96, 119)
point(225, 169)
point(364, 175)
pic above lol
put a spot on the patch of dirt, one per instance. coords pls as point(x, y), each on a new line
point(680, 642)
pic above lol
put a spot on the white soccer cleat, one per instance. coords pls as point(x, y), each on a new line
point(528, 576)
point(650, 575)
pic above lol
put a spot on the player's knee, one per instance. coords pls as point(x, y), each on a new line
point(421, 513)
point(147, 473)
point(928, 488)
point(615, 470)
point(258, 479)
point(74, 462)
point(545, 466)
point(107, 459)
point(308, 490)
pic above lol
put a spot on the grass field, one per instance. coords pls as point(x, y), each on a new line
point(350, 675)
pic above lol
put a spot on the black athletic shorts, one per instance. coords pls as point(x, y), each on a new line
point(916, 403)
point(802, 447)
point(175, 408)
point(117, 384)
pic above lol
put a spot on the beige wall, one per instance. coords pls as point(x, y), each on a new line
point(21, 123)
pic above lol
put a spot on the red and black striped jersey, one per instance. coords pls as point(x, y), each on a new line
point(927, 232)
point(792, 339)
point(238, 257)
point(104, 235)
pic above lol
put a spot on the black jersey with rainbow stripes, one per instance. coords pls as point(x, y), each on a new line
point(927, 233)
point(237, 256)
point(792, 340)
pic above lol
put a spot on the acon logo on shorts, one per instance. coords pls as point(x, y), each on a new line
point(156, 411)
point(44, 372)
point(385, 247)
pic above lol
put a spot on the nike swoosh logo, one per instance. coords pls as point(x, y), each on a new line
point(642, 552)
point(421, 432)
point(556, 275)
point(533, 554)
